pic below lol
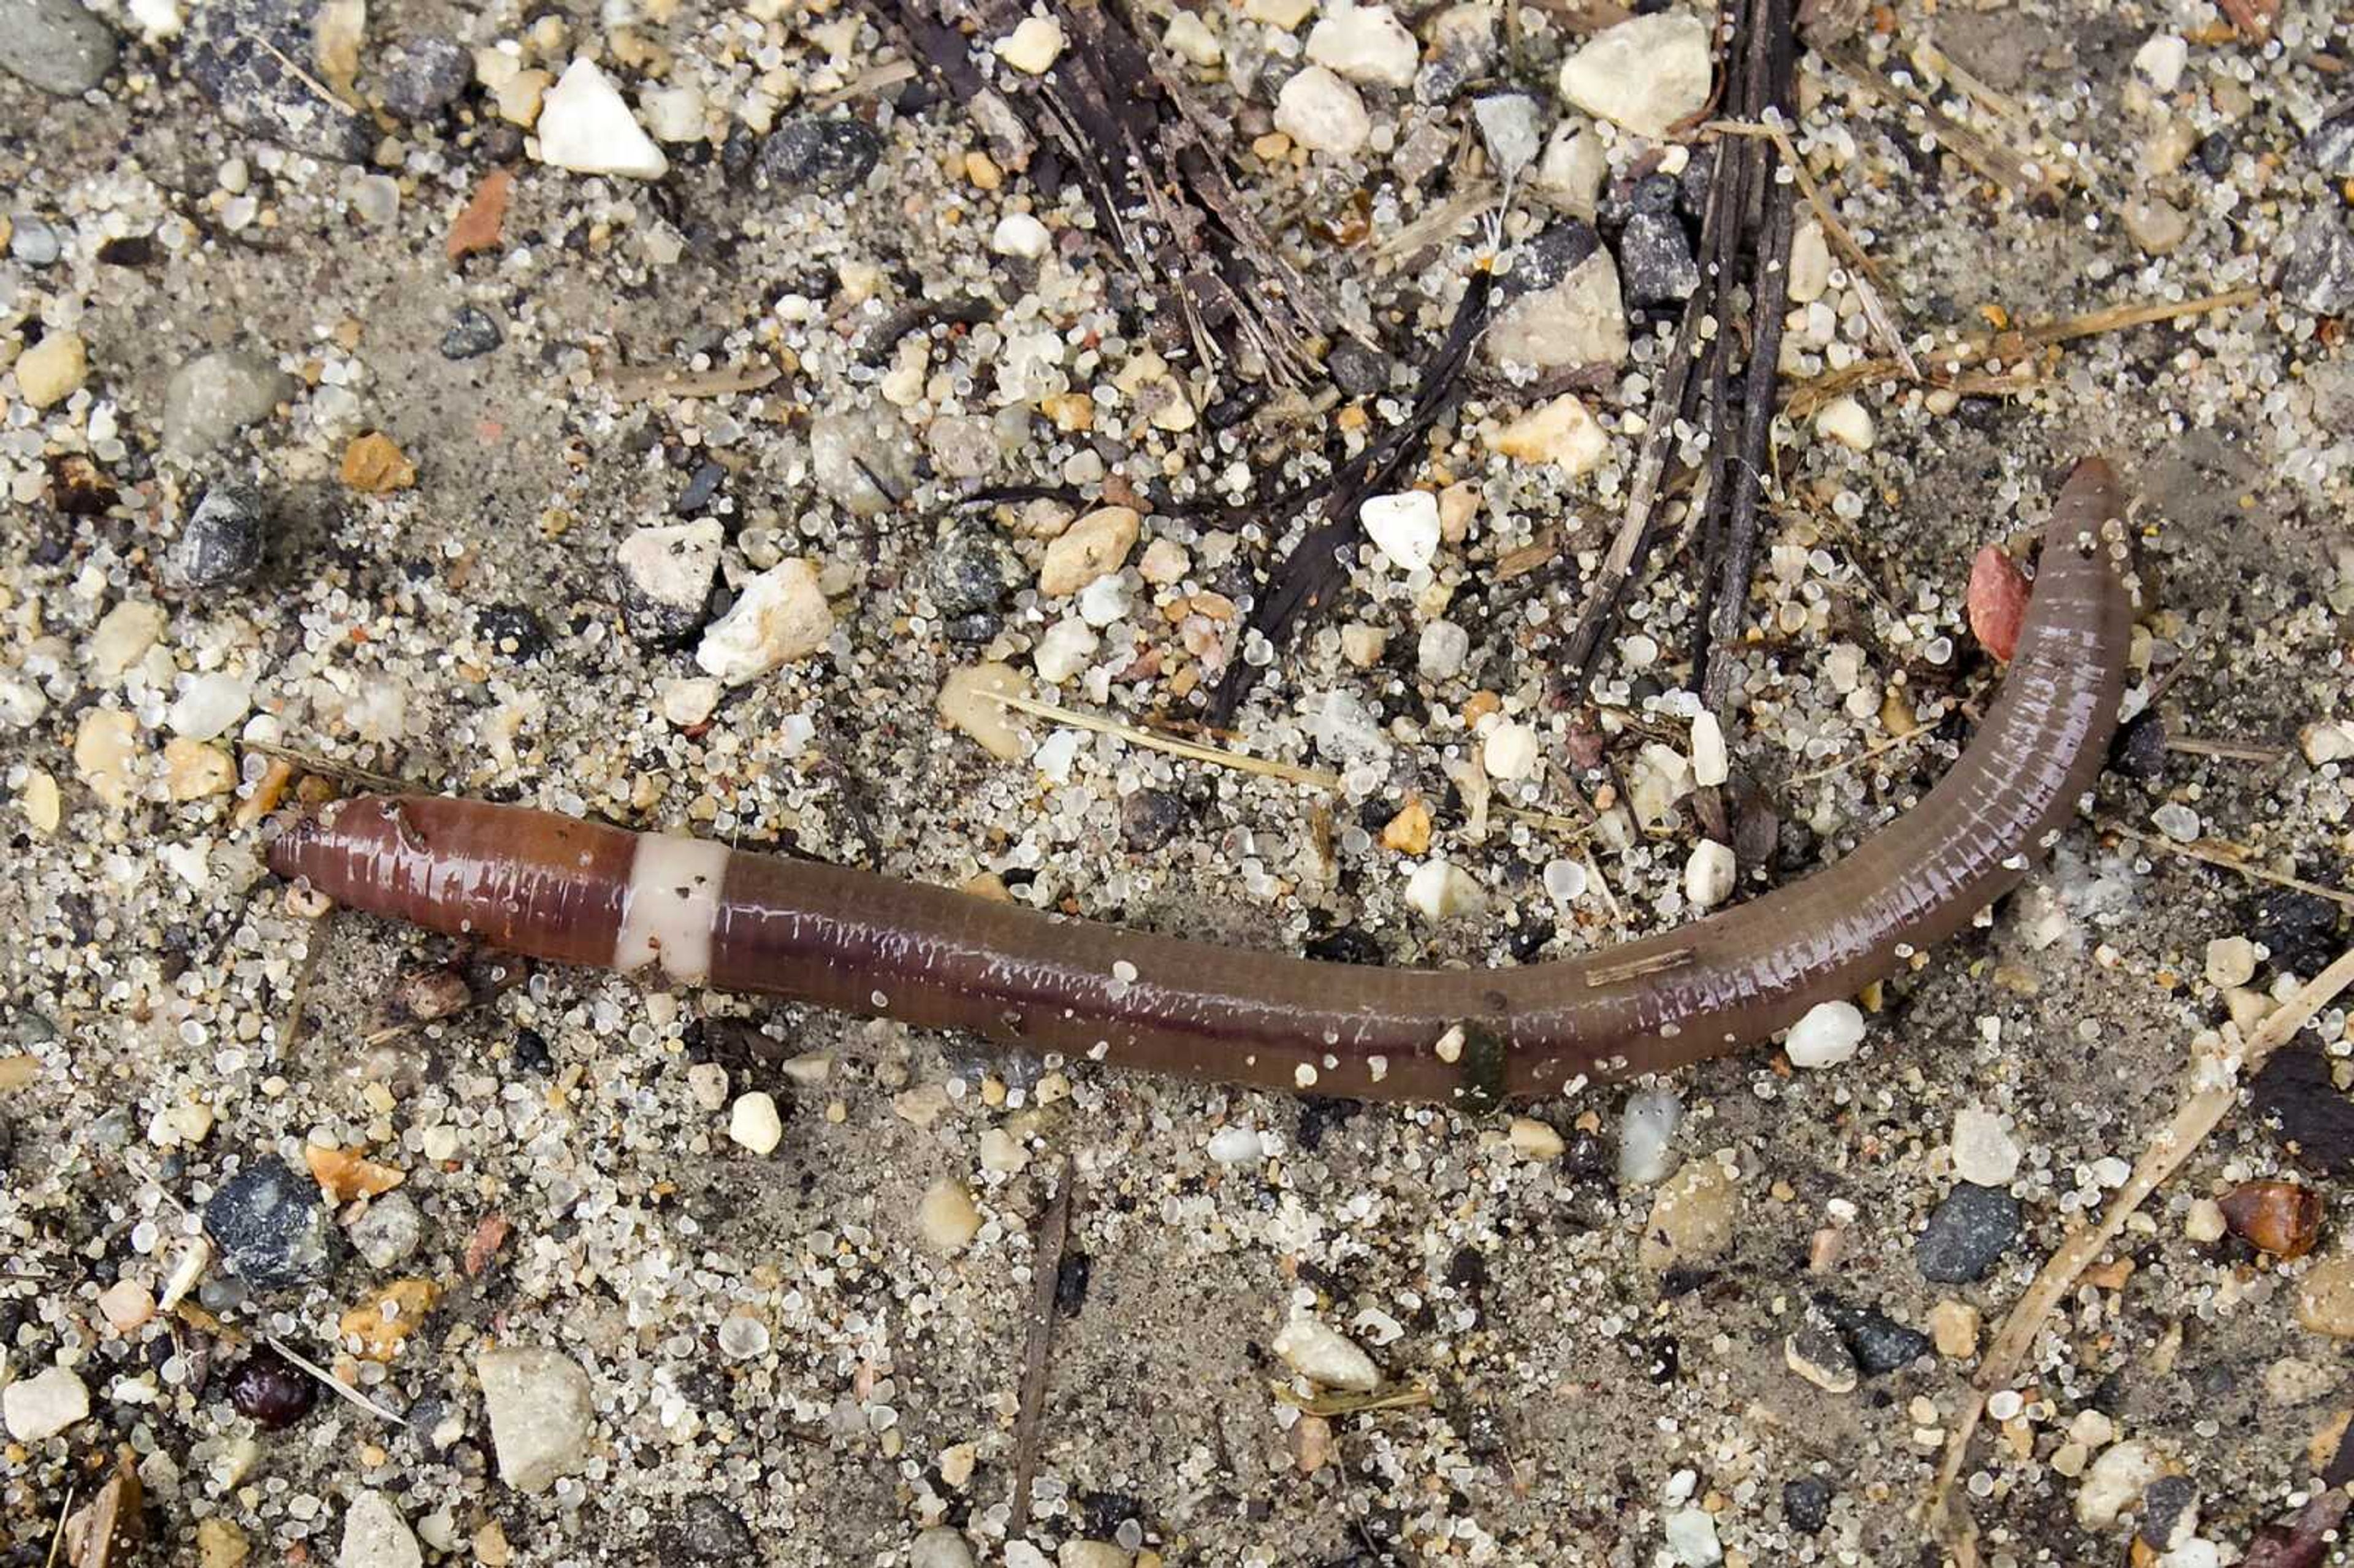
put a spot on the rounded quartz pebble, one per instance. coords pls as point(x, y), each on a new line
point(1647, 1132)
point(1983, 1152)
point(1830, 1034)
point(940, 1547)
point(754, 1123)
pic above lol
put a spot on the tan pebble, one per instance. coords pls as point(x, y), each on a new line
point(491, 1547)
point(105, 753)
point(343, 1174)
point(1033, 47)
point(945, 1215)
point(220, 1544)
point(1535, 1140)
point(1954, 1325)
point(1164, 563)
point(1002, 1153)
point(374, 466)
point(2230, 960)
point(1457, 506)
point(44, 808)
point(1096, 545)
point(957, 1462)
point(126, 1306)
point(122, 637)
point(922, 1105)
point(1561, 433)
point(1071, 411)
point(1284, 13)
point(1362, 645)
point(194, 769)
point(753, 1122)
point(53, 369)
point(1408, 832)
point(1692, 1217)
point(968, 703)
point(982, 171)
point(1311, 1443)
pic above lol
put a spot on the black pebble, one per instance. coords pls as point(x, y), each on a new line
point(1346, 945)
point(473, 332)
point(531, 1052)
point(272, 1391)
point(979, 627)
point(1150, 818)
point(1807, 1504)
point(2162, 1508)
point(1655, 259)
point(503, 142)
point(1878, 1343)
point(706, 1530)
point(512, 630)
point(222, 541)
point(700, 489)
point(1072, 1276)
point(969, 573)
point(828, 155)
point(1968, 1231)
point(2299, 930)
point(2215, 153)
point(1552, 256)
point(1358, 371)
point(2139, 750)
point(271, 1224)
point(426, 76)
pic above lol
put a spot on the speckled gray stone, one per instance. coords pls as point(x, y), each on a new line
point(238, 52)
point(56, 44)
point(1968, 1231)
point(269, 1224)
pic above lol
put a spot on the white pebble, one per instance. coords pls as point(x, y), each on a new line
point(1033, 45)
point(1983, 1152)
point(780, 616)
point(2116, 1480)
point(1323, 1354)
point(1366, 43)
point(584, 126)
point(1646, 1130)
point(38, 1408)
point(1710, 765)
point(1065, 650)
point(1843, 419)
point(1236, 1146)
point(1829, 1034)
point(1511, 750)
point(945, 1216)
point(1645, 74)
point(2230, 960)
point(1440, 891)
point(1019, 233)
point(1442, 650)
point(1404, 528)
point(1709, 874)
point(754, 1122)
point(2162, 59)
point(1322, 113)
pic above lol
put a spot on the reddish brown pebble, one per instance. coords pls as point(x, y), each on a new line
point(271, 1390)
point(477, 224)
point(2278, 1217)
point(1998, 602)
point(489, 1237)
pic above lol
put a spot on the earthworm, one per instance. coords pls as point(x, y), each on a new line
point(575, 892)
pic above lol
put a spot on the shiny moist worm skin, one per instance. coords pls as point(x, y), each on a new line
point(575, 892)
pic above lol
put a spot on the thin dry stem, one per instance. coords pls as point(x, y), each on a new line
point(2222, 861)
point(2218, 1066)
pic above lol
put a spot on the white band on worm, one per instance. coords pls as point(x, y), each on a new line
point(671, 905)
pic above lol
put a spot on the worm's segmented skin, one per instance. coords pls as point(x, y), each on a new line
point(575, 892)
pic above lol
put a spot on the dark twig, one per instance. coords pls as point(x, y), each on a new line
point(1037, 1347)
point(1312, 567)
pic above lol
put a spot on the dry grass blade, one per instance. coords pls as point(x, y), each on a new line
point(1038, 1344)
point(2223, 861)
point(335, 1384)
point(1409, 1397)
point(1241, 762)
point(327, 767)
point(1947, 365)
point(2218, 1066)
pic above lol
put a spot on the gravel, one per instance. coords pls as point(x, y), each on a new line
point(246, 55)
point(1967, 1233)
point(271, 1228)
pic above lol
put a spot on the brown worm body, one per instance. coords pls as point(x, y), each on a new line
point(575, 892)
